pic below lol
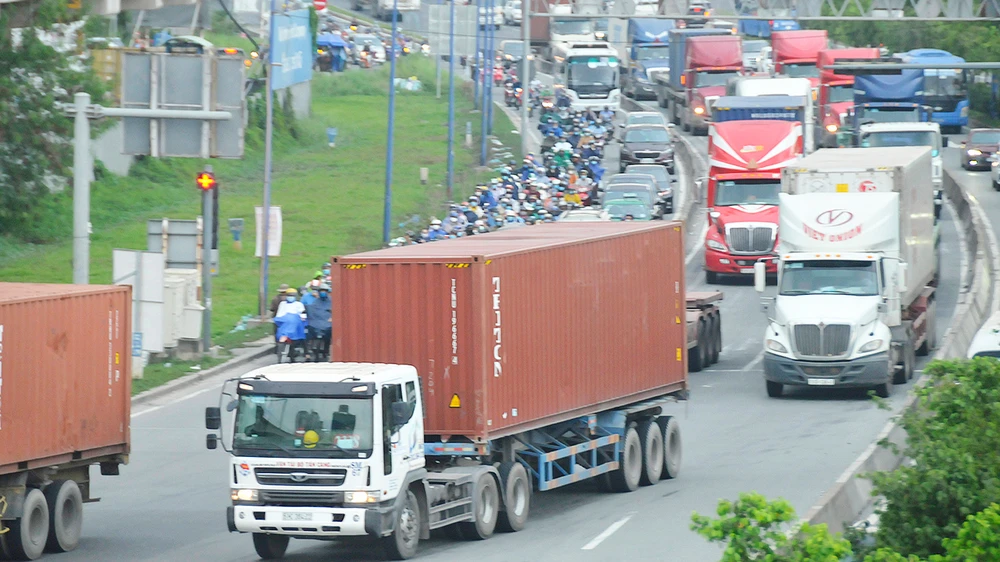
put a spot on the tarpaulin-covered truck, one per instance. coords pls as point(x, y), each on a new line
point(466, 374)
point(65, 397)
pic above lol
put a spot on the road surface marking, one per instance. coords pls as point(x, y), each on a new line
point(174, 401)
point(756, 360)
point(608, 532)
point(146, 411)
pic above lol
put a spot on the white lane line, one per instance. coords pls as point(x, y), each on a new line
point(146, 411)
point(607, 532)
point(174, 401)
point(756, 360)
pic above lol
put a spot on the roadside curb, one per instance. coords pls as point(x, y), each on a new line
point(243, 355)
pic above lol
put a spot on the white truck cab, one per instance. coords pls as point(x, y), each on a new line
point(986, 342)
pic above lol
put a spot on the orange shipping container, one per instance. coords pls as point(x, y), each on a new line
point(524, 327)
point(65, 373)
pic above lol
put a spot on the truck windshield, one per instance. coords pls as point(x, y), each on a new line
point(803, 70)
point(572, 27)
point(841, 93)
point(899, 138)
point(704, 79)
point(829, 277)
point(747, 192)
point(889, 115)
point(661, 51)
point(592, 75)
point(291, 426)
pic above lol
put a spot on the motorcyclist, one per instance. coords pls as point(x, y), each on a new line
point(590, 151)
point(607, 115)
point(290, 305)
point(319, 316)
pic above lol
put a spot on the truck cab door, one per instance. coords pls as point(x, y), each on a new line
point(402, 431)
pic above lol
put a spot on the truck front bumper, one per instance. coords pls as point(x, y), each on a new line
point(727, 264)
point(309, 521)
point(866, 371)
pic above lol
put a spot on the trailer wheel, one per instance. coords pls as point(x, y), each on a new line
point(715, 336)
point(909, 358)
point(27, 534)
point(402, 543)
point(930, 327)
point(626, 478)
point(775, 389)
point(516, 496)
point(486, 502)
point(672, 449)
point(696, 354)
point(65, 515)
point(270, 547)
point(651, 439)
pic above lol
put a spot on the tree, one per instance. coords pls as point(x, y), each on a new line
point(753, 528)
point(953, 436)
point(39, 67)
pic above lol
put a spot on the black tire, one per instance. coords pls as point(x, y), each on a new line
point(884, 390)
point(65, 504)
point(713, 336)
point(673, 451)
point(270, 547)
point(405, 538)
point(996, 186)
point(27, 535)
point(696, 353)
point(516, 497)
point(775, 389)
point(718, 338)
point(705, 342)
point(711, 277)
point(651, 439)
point(626, 478)
point(930, 331)
point(900, 376)
point(486, 502)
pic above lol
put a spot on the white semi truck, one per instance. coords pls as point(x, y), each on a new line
point(856, 271)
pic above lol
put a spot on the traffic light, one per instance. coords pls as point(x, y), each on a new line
point(205, 181)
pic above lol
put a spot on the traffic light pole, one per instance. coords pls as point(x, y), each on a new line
point(268, 154)
point(207, 236)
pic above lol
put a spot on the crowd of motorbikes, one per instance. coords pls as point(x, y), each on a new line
point(302, 320)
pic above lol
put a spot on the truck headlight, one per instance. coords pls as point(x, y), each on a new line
point(362, 497)
point(715, 245)
point(870, 346)
point(831, 128)
point(699, 110)
point(244, 495)
point(776, 346)
point(973, 152)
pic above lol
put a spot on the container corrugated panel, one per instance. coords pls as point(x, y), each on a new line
point(65, 373)
point(526, 326)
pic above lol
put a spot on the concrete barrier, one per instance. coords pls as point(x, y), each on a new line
point(851, 494)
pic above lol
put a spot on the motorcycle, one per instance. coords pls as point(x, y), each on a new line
point(517, 97)
point(498, 75)
point(290, 337)
point(317, 348)
point(508, 95)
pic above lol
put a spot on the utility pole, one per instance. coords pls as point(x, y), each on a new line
point(475, 58)
point(491, 35)
point(207, 184)
point(387, 198)
point(81, 190)
point(451, 104)
point(268, 156)
point(525, 72)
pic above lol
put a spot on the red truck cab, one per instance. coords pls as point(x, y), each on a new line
point(796, 52)
point(710, 61)
point(836, 92)
point(744, 180)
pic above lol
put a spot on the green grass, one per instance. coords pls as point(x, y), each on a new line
point(157, 374)
point(331, 199)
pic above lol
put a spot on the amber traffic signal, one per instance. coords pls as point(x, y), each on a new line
point(205, 181)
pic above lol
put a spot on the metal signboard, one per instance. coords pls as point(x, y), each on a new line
point(144, 272)
point(180, 238)
point(439, 29)
point(273, 232)
point(292, 49)
point(179, 82)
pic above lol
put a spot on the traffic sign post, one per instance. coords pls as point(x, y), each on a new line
point(205, 181)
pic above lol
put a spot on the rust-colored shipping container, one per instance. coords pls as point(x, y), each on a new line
point(524, 327)
point(65, 374)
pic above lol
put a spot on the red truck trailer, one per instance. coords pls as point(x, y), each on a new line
point(836, 92)
point(65, 396)
point(795, 53)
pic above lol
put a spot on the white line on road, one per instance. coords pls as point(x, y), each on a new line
point(756, 360)
point(174, 401)
point(608, 532)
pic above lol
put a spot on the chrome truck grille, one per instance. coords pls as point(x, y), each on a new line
point(750, 239)
point(300, 497)
point(300, 476)
point(819, 340)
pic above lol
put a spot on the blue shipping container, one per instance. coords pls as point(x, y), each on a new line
point(774, 108)
point(678, 49)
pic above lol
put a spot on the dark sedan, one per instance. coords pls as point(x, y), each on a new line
point(647, 144)
point(977, 149)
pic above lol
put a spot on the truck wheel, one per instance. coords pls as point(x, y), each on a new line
point(685, 126)
point(65, 504)
point(711, 277)
point(516, 496)
point(402, 543)
point(714, 336)
point(884, 390)
point(705, 343)
point(929, 331)
point(696, 353)
point(775, 389)
point(270, 547)
point(486, 499)
point(651, 439)
point(909, 358)
point(27, 534)
point(672, 450)
point(626, 478)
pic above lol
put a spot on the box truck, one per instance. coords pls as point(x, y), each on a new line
point(856, 270)
point(65, 396)
point(468, 373)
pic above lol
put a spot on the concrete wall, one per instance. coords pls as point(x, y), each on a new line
point(301, 99)
point(108, 149)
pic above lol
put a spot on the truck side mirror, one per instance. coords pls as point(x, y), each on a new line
point(759, 276)
point(401, 413)
point(944, 141)
point(213, 419)
point(211, 441)
point(883, 307)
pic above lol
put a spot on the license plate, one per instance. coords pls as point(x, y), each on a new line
point(746, 270)
point(297, 516)
point(648, 160)
point(822, 382)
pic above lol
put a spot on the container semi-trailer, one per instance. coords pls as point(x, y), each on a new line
point(468, 374)
point(836, 94)
point(856, 271)
point(65, 397)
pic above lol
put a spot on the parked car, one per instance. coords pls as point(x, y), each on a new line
point(512, 12)
point(979, 147)
point(646, 144)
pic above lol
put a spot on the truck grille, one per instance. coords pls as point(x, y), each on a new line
point(822, 341)
point(647, 154)
point(300, 497)
point(751, 239)
point(301, 476)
